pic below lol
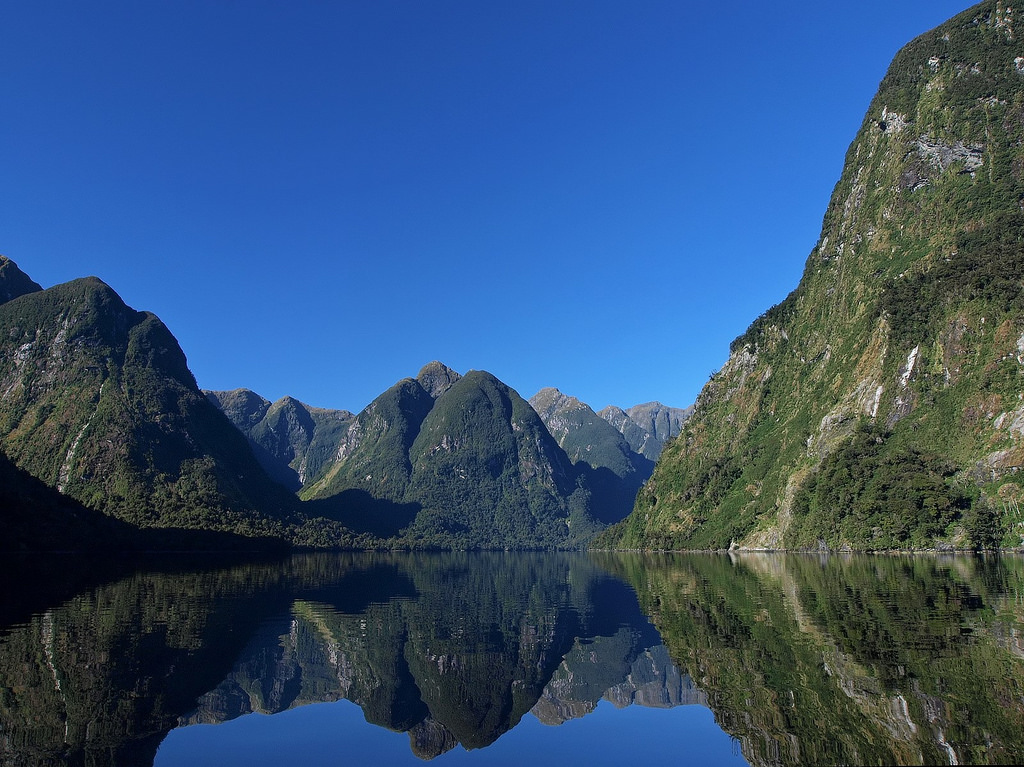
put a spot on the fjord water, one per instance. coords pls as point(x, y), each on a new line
point(510, 658)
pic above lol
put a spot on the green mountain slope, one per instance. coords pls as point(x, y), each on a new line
point(373, 456)
point(36, 517)
point(293, 441)
point(96, 400)
point(880, 404)
point(449, 460)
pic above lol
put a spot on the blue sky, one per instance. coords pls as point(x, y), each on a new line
point(318, 197)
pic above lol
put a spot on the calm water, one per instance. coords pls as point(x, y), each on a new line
point(513, 659)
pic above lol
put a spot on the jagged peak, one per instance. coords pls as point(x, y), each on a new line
point(239, 392)
point(437, 378)
point(549, 400)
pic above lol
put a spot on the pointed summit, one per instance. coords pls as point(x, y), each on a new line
point(549, 401)
point(437, 378)
point(14, 282)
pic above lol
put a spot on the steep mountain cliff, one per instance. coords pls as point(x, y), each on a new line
point(880, 404)
point(96, 400)
point(292, 441)
point(450, 460)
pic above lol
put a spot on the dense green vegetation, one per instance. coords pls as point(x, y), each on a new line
point(986, 268)
point(100, 404)
point(868, 495)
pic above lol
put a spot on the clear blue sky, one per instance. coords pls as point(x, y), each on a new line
point(320, 197)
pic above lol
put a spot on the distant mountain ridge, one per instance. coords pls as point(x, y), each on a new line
point(99, 406)
point(584, 435)
point(647, 427)
point(293, 441)
point(371, 471)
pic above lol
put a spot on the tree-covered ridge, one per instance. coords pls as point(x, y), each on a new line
point(454, 461)
point(907, 320)
point(99, 404)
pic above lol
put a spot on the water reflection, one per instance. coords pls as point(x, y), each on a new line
point(851, 659)
point(453, 649)
point(803, 660)
point(450, 648)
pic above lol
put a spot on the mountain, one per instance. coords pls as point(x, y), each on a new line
point(13, 281)
point(36, 517)
point(97, 401)
point(292, 441)
point(880, 405)
point(616, 471)
point(584, 435)
point(450, 460)
point(647, 427)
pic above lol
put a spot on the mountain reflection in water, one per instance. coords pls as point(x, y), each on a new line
point(801, 659)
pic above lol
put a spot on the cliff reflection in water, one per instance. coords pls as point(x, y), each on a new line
point(803, 660)
point(848, 659)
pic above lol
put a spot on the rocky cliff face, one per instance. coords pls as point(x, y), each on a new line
point(899, 354)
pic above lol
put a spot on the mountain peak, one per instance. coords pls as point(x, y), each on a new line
point(437, 378)
point(550, 400)
point(14, 282)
